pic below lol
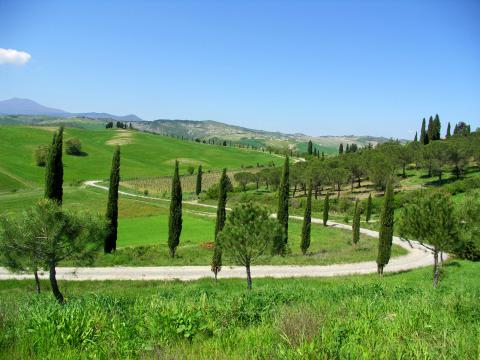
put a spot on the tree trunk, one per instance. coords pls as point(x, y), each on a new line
point(53, 283)
point(352, 185)
point(249, 277)
point(339, 189)
point(316, 192)
point(403, 173)
point(294, 190)
point(441, 258)
point(436, 268)
point(380, 269)
point(37, 282)
point(359, 182)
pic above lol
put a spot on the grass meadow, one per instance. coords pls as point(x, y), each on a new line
point(399, 316)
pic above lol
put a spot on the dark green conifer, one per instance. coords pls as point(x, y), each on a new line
point(110, 243)
point(415, 139)
point(340, 149)
point(431, 129)
point(175, 219)
point(307, 222)
point(198, 188)
point(282, 212)
point(386, 229)
point(368, 212)
point(309, 147)
point(326, 209)
point(423, 134)
point(220, 221)
point(436, 127)
point(449, 134)
point(356, 223)
point(54, 169)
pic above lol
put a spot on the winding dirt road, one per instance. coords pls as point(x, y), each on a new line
point(417, 257)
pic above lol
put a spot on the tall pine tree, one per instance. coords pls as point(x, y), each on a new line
point(282, 212)
point(309, 147)
point(326, 209)
point(386, 229)
point(175, 220)
point(54, 169)
point(112, 205)
point(423, 134)
point(415, 139)
point(220, 222)
point(437, 125)
point(449, 133)
point(198, 188)
point(368, 212)
point(356, 223)
point(340, 149)
point(431, 129)
point(307, 222)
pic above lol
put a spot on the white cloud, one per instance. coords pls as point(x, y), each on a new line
point(11, 56)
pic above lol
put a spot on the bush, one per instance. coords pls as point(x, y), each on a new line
point(40, 155)
point(190, 170)
point(73, 146)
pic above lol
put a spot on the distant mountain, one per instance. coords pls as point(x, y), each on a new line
point(28, 107)
point(17, 106)
point(208, 129)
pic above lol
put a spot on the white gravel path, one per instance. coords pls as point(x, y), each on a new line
point(417, 257)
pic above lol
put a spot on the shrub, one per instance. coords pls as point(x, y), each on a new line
point(40, 155)
point(73, 146)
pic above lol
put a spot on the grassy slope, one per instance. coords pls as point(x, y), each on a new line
point(143, 233)
point(360, 317)
point(146, 155)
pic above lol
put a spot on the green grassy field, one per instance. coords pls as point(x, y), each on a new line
point(143, 233)
point(399, 316)
point(143, 155)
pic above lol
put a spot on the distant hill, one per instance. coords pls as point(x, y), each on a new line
point(17, 106)
point(28, 112)
point(208, 129)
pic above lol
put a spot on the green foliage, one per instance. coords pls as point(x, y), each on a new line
point(356, 222)
point(73, 146)
point(279, 247)
point(54, 170)
point(247, 233)
point(220, 221)
point(281, 318)
point(386, 229)
point(110, 243)
point(431, 220)
point(41, 155)
point(469, 215)
point(175, 219)
point(198, 187)
point(244, 178)
point(368, 212)
point(326, 209)
point(307, 223)
point(45, 235)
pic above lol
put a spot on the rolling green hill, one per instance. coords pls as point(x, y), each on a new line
point(143, 154)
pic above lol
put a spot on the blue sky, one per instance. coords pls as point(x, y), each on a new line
point(317, 67)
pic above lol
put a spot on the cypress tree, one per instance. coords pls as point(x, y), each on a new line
point(356, 223)
point(307, 222)
point(368, 212)
point(431, 130)
point(423, 134)
point(309, 147)
point(112, 205)
point(54, 169)
point(282, 213)
point(340, 149)
point(220, 222)
point(323, 155)
point(415, 139)
point(198, 188)
point(449, 134)
point(437, 125)
point(326, 209)
point(386, 229)
point(175, 220)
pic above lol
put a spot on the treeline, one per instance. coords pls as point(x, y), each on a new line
point(118, 125)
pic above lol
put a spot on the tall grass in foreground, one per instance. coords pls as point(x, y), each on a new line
point(398, 317)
